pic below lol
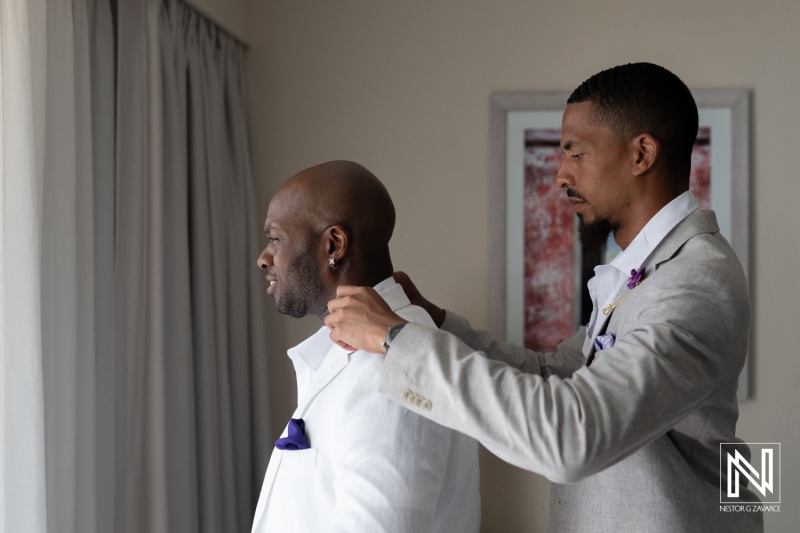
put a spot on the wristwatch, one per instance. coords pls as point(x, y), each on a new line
point(391, 333)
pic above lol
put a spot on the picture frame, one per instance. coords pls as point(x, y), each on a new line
point(724, 118)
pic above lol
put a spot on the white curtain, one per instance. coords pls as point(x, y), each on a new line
point(47, 269)
point(23, 506)
point(133, 363)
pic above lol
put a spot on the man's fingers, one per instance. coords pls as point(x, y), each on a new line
point(344, 345)
point(347, 290)
point(331, 324)
point(405, 282)
point(347, 295)
point(414, 296)
point(337, 303)
point(401, 277)
point(343, 297)
point(333, 305)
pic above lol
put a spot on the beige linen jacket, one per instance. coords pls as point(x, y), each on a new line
point(632, 440)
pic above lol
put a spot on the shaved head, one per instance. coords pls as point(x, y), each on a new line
point(335, 221)
point(345, 193)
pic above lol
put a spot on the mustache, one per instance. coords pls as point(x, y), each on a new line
point(572, 194)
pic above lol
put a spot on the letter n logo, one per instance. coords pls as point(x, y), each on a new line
point(762, 476)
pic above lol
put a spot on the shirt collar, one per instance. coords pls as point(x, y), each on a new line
point(312, 351)
point(651, 235)
point(385, 284)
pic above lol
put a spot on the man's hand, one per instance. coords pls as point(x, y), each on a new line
point(359, 319)
point(437, 314)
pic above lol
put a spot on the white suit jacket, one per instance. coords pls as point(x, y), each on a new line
point(372, 466)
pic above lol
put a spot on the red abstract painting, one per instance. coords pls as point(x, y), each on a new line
point(549, 244)
point(700, 179)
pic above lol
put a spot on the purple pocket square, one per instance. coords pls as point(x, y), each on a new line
point(601, 342)
point(295, 438)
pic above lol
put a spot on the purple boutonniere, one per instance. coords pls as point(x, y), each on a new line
point(295, 438)
point(636, 278)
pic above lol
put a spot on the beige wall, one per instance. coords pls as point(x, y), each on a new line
point(403, 87)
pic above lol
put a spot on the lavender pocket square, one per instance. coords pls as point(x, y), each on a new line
point(295, 438)
point(601, 342)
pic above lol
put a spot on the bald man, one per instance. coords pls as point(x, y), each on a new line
point(351, 460)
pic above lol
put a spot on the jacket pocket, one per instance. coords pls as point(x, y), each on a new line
point(299, 459)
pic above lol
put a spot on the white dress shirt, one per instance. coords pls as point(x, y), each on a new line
point(609, 279)
point(373, 466)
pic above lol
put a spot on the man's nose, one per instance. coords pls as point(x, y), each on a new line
point(563, 178)
point(264, 260)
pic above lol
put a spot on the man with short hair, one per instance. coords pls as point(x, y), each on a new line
point(351, 460)
point(627, 416)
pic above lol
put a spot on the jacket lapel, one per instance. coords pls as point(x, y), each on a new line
point(601, 324)
point(335, 361)
point(337, 358)
point(266, 488)
point(694, 224)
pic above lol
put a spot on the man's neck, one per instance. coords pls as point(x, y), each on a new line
point(359, 278)
point(368, 272)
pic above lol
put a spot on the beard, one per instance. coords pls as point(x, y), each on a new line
point(302, 286)
point(594, 233)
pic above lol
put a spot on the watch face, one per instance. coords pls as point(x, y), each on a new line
point(391, 334)
point(396, 330)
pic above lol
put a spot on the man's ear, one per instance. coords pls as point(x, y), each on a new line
point(645, 150)
point(337, 242)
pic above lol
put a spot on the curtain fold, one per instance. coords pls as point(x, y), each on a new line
point(103, 116)
point(202, 373)
point(67, 272)
point(140, 472)
point(133, 366)
point(203, 72)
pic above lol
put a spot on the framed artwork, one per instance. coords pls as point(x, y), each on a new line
point(538, 294)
